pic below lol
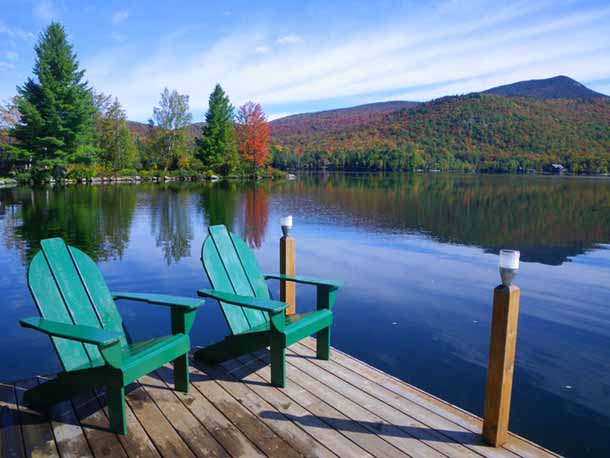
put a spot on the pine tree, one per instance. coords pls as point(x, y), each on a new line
point(56, 107)
point(217, 148)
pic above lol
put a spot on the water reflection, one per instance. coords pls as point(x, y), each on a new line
point(257, 212)
point(414, 251)
point(97, 220)
point(170, 220)
point(241, 206)
point(220, 202)
point(549, 220)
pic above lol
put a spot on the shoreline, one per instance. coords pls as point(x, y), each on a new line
point(136, 179)
point(11, 182)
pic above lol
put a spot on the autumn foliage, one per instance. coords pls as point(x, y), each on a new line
point(482, 132)
point(253, 134)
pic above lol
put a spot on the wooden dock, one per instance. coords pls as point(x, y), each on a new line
point(341, 407)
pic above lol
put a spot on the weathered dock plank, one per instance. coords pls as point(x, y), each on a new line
point(163, 434)
point(11, 441)
point(403, 431)
point(342, 407)
point(69, 435)
point(137, 443)
point(221, 428)
point(363, 432)
point(239, 385)
point(95, 426)
point(37, 433)
point(466, 420)
point(339, 444)
point(200, 441)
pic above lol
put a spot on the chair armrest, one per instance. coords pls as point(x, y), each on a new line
point(160, 299)
point(266, 305)
point(78, 332)
point(334, 284)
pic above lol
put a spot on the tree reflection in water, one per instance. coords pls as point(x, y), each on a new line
point(170, 215)
point(549, 219)
point(95, 219)
point(257, 213)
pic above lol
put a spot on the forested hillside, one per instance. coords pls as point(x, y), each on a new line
point(336, 120)
point(478, 131)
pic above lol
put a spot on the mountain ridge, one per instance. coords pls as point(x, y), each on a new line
point(559, 86)
point(556, 87)
point(526, 126)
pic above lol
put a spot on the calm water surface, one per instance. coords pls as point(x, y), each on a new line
point(419, 257)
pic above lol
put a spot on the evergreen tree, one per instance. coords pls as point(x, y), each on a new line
point(217, 148)
point(56, 108)
point(117, 148)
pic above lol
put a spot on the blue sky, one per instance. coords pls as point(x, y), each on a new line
point(311, 55)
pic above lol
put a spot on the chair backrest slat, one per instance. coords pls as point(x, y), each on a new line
point(235, 270)
point(71, 288)
point(67, 286)
point(51, 306)
point(98, 292)
point(234, 314)
point(230, 271)
point(250, 265)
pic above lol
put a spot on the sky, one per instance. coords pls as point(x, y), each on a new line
point(295, 57)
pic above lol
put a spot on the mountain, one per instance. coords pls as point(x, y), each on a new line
point(528, 124)
point(338, 118)
point(558, 87)
point(477, 131)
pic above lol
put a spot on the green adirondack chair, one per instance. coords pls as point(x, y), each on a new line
point(79, 314)
point(256, 321)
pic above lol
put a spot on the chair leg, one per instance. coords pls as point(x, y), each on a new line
point(116, 409)
point(323, 344)
point(181, 373)
point(278, 365)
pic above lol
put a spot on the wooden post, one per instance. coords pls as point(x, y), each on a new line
point(501, 365)
point(287, 289)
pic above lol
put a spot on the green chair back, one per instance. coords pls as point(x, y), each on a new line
point(231, 267)
point(68, 287)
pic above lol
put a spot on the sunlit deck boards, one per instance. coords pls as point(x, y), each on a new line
point(338, 408)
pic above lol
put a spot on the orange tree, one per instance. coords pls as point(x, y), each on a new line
point(253, 134)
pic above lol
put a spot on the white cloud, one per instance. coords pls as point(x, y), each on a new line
point(291, 39)
point(408, 61)
point(262, 49)
point(11, 55)
point(45, 10)
point(16, 32)
point(7, 66)
point(120, 16)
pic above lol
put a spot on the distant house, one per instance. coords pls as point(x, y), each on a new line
point(554, 169)
point(557, 169)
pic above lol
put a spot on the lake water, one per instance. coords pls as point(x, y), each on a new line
point(418, 254)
